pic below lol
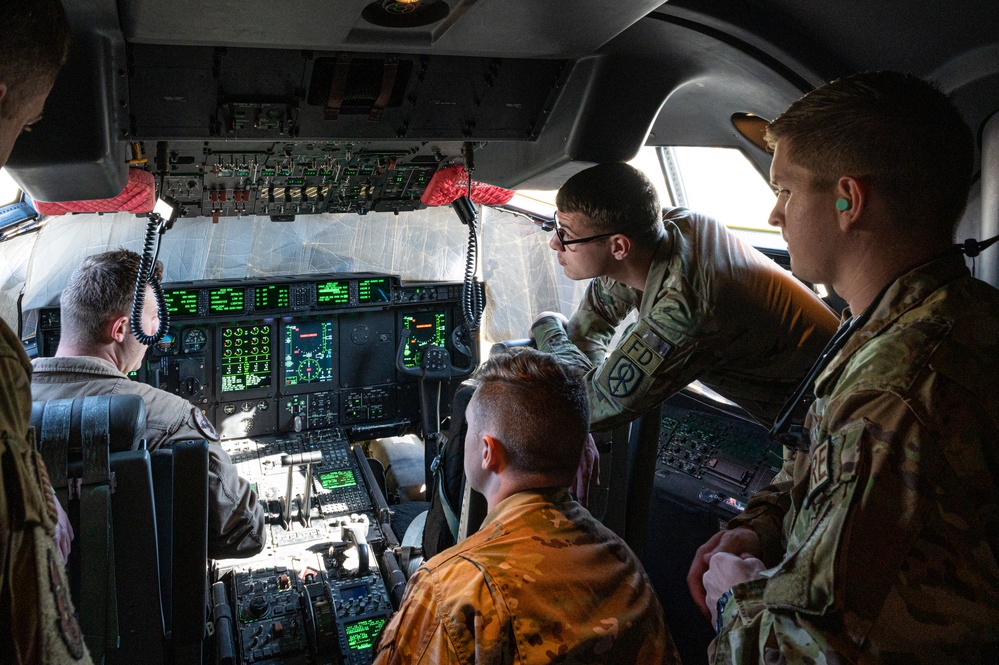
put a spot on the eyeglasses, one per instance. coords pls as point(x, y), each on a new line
point(560, 234)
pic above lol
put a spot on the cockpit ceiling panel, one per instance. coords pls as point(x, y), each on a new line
point(282, 179)
point(521, 28)
point(272, 94)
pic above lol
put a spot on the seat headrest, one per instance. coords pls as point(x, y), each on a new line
point(126, 420)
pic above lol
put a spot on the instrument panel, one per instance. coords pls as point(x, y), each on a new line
point(290, 354)
point(327, 581)
point(291, 370)
point(286, 178)
point(712, 460)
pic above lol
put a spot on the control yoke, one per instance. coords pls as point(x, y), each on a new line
point(435, 364)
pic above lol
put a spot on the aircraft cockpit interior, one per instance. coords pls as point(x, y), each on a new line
point(355, 201)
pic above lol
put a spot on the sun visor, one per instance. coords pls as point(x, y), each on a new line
point(79, 148)
point(139, 196)
point(451, 183)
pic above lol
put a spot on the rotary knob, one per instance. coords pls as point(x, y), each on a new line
point(258, 606)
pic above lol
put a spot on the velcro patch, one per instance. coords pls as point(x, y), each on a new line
point(821, 472)
point(624, 377)
point(203, 425)
point(646, 348)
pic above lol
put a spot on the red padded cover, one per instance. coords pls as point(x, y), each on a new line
point(138, 196)
point(452, 182)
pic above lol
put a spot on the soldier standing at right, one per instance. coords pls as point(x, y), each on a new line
point(890, 538)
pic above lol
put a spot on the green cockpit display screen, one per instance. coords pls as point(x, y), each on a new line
point(308, 352)
point(333, 293)
point(332, 480)
point(246, 357)
point(422, 329)
point(182, 302)
point(373, 290)
point(361, 635)
point(226, 299)
point(272, 298)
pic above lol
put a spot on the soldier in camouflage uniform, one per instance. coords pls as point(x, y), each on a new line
point(37, 620)
point(710, 306)
point(542, 581)
point(891, 513)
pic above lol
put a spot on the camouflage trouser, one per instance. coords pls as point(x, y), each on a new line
point(37, 620)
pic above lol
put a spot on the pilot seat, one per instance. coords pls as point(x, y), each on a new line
point(138, 567)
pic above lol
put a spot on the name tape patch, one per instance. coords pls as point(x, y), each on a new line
point(646, 349)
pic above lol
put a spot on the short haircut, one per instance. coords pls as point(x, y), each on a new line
point(99, 291)
point(894, 130)
point(537, 406)
point(618, 198)
point(34, 40)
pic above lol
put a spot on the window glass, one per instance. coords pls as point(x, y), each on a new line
point(723, 183)
point(9, 191)
point(647, 161)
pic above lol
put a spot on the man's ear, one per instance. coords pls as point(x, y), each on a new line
point(852, 198)
point(119, 328)
point(493, 454)
point(621, 246)
point(3, 92)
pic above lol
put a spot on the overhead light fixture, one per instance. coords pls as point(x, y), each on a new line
point(405, 13)
point(401, 6)
point(167, 210)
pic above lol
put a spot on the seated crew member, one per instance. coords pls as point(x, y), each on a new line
point(97, 348)
point(37, 620)
point(887, 524)
point(542, 581)
point(710, 307)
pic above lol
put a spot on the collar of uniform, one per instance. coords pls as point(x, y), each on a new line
point(520, 499)
point(658, 269)
point(906, 292)
point(77, 365)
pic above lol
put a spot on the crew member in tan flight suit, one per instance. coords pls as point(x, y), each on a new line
point(97, 348)
point(37, 619)
point(542, 581)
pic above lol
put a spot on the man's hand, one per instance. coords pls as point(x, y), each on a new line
point(739, 541)
point(724, 572)
point(63, 533)
point(589, 471)
point(558, 315)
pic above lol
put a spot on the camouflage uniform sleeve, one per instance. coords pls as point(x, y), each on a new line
point(650, 362)
point(15, 386)
point(863, 506)
point(551, 337)
point(659, 355)
point(416, 634)
point(603, 307)
point(767, 508)
point(40, 625)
